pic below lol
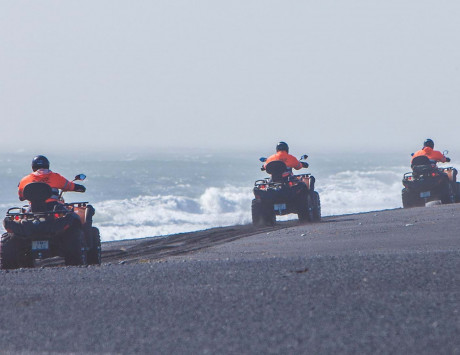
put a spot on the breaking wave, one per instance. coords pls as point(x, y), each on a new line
point(360, 191)
point(147, 216)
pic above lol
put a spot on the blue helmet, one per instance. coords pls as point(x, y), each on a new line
point(428, 143)
point(40, 162)
point(282, 146)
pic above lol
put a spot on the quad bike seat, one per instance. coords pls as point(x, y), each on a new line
point(276, 169)
point(421, 160)
point(422, 164)
point(37, 193)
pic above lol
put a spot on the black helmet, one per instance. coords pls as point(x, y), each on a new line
point(282, 146)
point(40, 162)
point(428, 143)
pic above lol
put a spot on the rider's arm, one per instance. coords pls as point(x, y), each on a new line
point(60, 182)
point(20, 192)
point(438, 156)
point(293, 162)
point(270, 159)
point(21, 186)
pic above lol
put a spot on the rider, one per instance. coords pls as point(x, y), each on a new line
point(282, 154)
point(433, 155)
point(436, 156)
point(42, 173)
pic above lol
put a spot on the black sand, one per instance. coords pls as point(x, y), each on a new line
point(381, 282)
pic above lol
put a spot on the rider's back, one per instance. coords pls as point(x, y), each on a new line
point(288, 159)
point(431, 154)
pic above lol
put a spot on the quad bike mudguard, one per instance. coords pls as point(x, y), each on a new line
point(47, 225)
point(437, 182)
point(278, 193)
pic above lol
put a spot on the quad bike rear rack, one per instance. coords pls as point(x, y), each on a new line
point(22, 213)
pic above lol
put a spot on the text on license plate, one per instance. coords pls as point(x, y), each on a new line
point(40, 245)
point(425, 194)
point(279, 206)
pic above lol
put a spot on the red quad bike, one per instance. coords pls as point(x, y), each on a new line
point(427, 182)
point(284, 193)
point(34, 232)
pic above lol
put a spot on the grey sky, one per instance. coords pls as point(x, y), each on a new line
point(342, 75)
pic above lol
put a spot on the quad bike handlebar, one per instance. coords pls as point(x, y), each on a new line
point(302, 161)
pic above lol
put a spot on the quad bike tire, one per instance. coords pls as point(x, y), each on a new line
point(449, 196)
point(13, 254)
point(256, 210)
point(316, 207)
point(409, 201)
point(94, 255)
point(268, 215)
point(75, 252)
point(9, 252)
point(262, 214)
point(305, 207)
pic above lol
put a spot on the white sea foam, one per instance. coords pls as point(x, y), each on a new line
point(360, 191)
point(144, 216)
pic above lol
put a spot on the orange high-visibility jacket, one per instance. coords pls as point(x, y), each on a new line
point(435, 155)
point(55, 180)
point(288, 159)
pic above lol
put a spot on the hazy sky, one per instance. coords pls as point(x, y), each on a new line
point(344, 75)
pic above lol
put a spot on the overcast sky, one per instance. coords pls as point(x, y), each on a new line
point(339, 75)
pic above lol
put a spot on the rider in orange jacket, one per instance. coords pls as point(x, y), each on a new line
point(42, 173)
point(434, 155)
point(282, 154)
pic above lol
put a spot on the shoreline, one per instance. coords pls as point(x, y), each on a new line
point(278, 223)
point(182, 244)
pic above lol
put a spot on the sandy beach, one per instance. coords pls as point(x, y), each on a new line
point(377, 282)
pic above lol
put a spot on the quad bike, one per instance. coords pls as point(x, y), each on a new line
point(284, 193)
point(35, 232)
point(427, 182)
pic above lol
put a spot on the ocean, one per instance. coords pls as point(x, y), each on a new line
point(139, 195)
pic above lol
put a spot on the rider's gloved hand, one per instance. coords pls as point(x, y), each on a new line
point(447, 160)
point(304, 164)
point(79, 188)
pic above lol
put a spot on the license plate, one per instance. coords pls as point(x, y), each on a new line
point(40, 245)
point(425, 194)
point(279, 207)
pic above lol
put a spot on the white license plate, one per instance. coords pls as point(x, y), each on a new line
point(425, 194)
point(40, 245)
point(279, 207)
